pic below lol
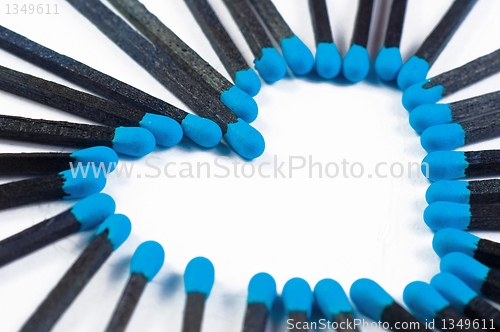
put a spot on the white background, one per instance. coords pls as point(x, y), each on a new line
point(341, 228)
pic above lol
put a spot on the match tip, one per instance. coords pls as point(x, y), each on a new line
point(448, 191)
point(445, 165)
point(453, 290)
point(466, 269)
point(271, 65)
point(118, 227)
point(439, 215)
point(425, 116)
point(443, 137)
point(450, 240)
point(199, 276)
point(328, 60)
point(331, 298)
point(167, 131)
point(388, 63)
point(423, 300)
point(242, 105)
point(356, 64)
point(262, 289)
point(245, 139)
point(370, 298)
point(248, 81)
point(133, 141)
point(298, 57)
point(98, 155)
point(297, 296)
point(203, 132)
point(92, 210)
point(79, 185)
point(413, 71)
point(417, 95)
point(147, 259)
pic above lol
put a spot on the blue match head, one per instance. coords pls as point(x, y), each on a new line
point(413, 71)
point(199, 276)
point(388, 63)
point(98, 155)
point(297, 296)
point(443, 137)
point(356, 64)
point(167, 131)
point(245, 139)
point(203, 132)
point(423, 300)
point(466, 269)
point(450, 240)
point(453, 290)
point(79, 185)
point(425, 116)
point(147, 259)
point(271, 65)
point(92, 210)
point(416, 95)
point(331, 298)
point(298, 57)
point(370, 298)
point(439, 215)
point(448, 191)
point(248, 81)
point(118, 227)
point(262, 289)
point(445, 165)
point(240, 103)
point(132, 141)
point(328, 60)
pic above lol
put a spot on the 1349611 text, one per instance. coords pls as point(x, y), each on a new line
point(31, 9)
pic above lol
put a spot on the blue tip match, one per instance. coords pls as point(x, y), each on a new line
point(450, 240)
point(92, 210)
point(203, 132)
point(245, 139)
point(414, 70)
point(132, 141)
point(425, 116)
point(98, 155)
point(240, 103)
point(297, 296)
point(248, 81)
point(356, 64)
point(199, 276)
point(448, 191)
point(262, 289)
point(147, 259)
point(439, 215)
point(416, 95)
point(271, 65)
point(331, 298)
point(388, 63)
point(370, 298)
point(298, 57)
point(466, 269)
point(167, 131)
point(453, 290)
point(118, 227)
point(445, 165)
point(328, 60)
point(79, 185)
point(443, 137)
point(424, 300)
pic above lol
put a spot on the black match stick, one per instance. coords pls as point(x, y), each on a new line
point(328, 60)
point(85, 214)
point(416, 68)
point(297, 299)
point(389, 59)
point(298, 57)
point(202, 131)
point(268, 62)
point(109, 236)
point(185, 57)
point(356, 63)
point(166, 131)
point(464, 216)
point(465, 192)
point(245, 140)
point(146, 262)
point(243, 76)
point(261, 295)
point(136, 142)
